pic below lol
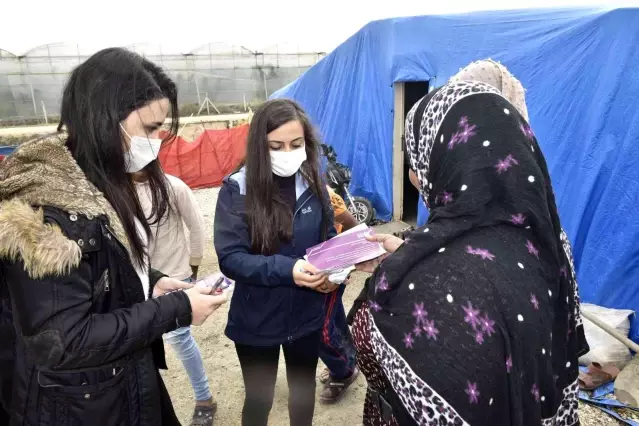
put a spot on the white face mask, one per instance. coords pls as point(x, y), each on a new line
point(143, 150)
point(286, 164)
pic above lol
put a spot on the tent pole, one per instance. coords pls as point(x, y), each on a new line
point(398, 156)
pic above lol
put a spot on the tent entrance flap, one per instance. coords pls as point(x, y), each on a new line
point(405, 195)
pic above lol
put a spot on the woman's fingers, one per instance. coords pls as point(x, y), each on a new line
point(305, 274)
point(311, 269)
point(329, 287)
point(202, 289)
point(378, 238)
point(203, 304)
point(181, 285)
point(324, 286)
point(312, 280)
point(369, 266)
point(389, 242)
point(166, 285)
point(384, 239)
point(219, 299)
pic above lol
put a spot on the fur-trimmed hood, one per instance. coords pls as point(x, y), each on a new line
point(43, 173)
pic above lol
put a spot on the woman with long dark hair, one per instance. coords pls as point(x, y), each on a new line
point(474, 319)
point(267, 215)
point(88, 311)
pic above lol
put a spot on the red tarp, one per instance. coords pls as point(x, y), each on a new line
point(204, 162)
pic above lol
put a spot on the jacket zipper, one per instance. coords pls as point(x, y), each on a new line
point(290, 299)
point(110, 233)
point(107, 287)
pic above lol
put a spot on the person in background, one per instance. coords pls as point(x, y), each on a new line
point(179, 257)
point(474, 318)
point(88, 311)
point(267, 215)
point(337, 351)
point(344, 220)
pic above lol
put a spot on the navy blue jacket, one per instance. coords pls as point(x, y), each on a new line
point(267, 307)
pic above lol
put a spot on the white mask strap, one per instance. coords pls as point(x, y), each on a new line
point(125, 132)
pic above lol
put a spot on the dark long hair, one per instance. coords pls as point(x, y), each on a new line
point(269, 218)
point(100, 94)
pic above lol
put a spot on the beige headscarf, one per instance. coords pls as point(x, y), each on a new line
point(495, 74)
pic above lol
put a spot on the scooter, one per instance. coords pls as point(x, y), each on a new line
point(339, 177)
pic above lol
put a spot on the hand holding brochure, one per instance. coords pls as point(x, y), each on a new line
point(345, 250)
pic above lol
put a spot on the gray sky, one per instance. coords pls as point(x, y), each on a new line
point(180, 26)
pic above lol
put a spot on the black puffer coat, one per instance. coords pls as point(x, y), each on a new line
point(88, 345)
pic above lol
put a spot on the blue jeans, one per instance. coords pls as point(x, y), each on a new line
point(188, 353)
point(337, 351)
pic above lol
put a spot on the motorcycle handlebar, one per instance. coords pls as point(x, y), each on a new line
point(329, 152)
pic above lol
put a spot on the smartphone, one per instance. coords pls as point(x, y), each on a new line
point(218, 283)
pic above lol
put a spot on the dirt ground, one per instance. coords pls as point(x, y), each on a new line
point(224, 370)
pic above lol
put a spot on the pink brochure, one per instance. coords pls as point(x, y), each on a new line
point(345, 250)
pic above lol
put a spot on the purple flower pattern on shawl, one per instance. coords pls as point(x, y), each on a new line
point(431, 330)
point(465, 131)
point(408, 340)
point(419, 313)
point(422, 325)
point(532, 249)
point(518, 219)
point(505, 164)
point(487, 325)
point(535, 391)
point(472, 392)
point(527, 131)
point(482, 325)
point(444, 198)
point(472, 316)
point(483, 253)
point(382, 283)
point(417, 331)
point(534, 301)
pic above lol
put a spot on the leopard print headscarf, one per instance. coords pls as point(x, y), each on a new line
point(423, 122)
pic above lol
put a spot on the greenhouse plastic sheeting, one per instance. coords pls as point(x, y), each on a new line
point(204, 162)
point(582, 79)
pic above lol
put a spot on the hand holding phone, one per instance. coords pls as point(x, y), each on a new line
point(216, 282)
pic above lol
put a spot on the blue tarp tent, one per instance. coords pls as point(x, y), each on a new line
point(581, 70)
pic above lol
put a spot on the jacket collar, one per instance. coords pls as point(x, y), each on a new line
point(43, 173)
point(301, 185)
